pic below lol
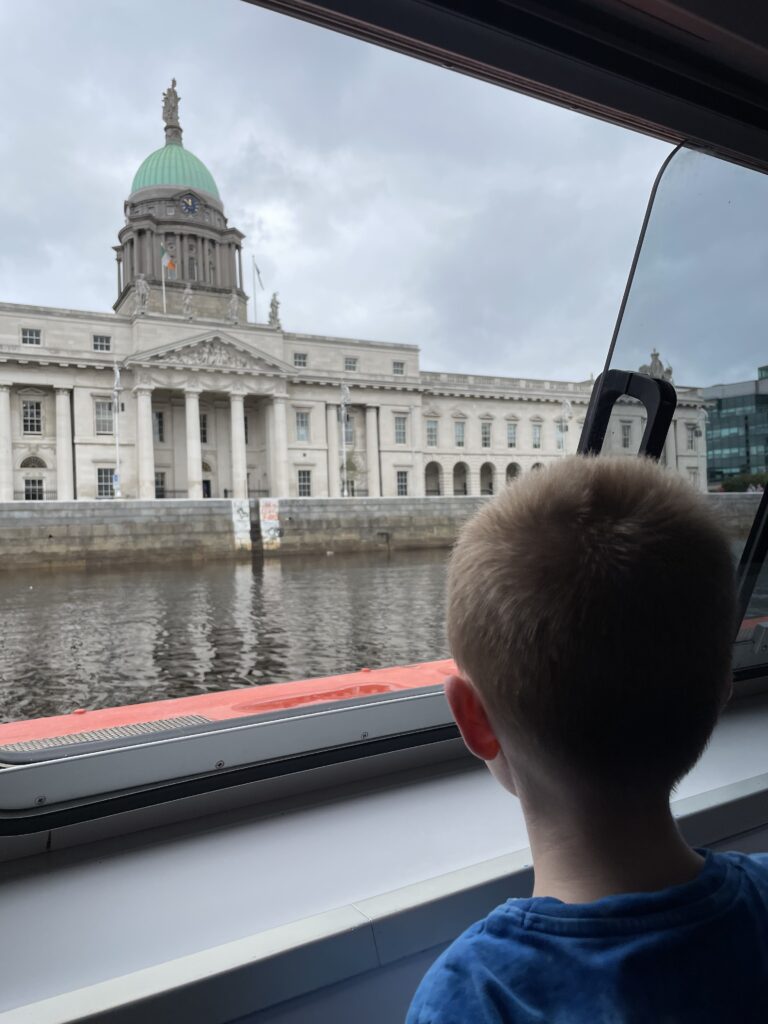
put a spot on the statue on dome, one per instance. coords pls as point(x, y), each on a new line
point(234, 307)
point(656, 368)
point(142, 295)
point(171, 105)
point(274, 311)
point(186, 302)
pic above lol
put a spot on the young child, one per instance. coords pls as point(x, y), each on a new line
point(591, 614)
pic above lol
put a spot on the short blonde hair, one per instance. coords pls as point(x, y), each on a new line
point(593, 606)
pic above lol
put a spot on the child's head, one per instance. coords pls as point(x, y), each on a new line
point(592, 608)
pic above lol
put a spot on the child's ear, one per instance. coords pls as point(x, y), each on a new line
point(471, 718)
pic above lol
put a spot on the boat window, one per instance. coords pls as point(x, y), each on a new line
point(474, 244)
point(695, 315)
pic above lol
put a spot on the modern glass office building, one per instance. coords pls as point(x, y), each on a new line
point(737, 428)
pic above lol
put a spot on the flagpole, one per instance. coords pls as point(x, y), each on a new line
point(253, 272)
point(162, 275)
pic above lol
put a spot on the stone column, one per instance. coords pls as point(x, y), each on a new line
point(145, 444)
point(194, 450)
point(6, 444)
point(332, 435)
point(279, 450)
point(240, 268)
point(237, 434)
point(372, 450)
point(65, 478)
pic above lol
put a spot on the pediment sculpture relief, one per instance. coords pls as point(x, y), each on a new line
point(212, 352)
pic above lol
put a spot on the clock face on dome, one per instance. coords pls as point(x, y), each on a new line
point(188, 204)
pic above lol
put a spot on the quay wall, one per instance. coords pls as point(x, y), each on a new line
point(87, 534)
point(294, 526)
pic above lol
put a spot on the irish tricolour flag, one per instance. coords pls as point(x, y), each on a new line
point(167, 259)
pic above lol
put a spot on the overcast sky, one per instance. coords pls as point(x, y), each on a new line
point(384, 198)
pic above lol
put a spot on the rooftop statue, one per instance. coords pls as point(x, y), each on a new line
point(274, 311)
point(186, 302)
point(171, 105)
point(656, 368)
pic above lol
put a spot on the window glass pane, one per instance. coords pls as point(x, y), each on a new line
point(536, 435)
point(391, 249)
point(104, 416)
point(700, 327)
point(32, 417)
point(302, 426)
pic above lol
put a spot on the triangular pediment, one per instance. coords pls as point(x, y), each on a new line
point(214, 350)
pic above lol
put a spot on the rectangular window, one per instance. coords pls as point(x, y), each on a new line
point(305, 483)
point(31, 417)
point(431, 433)
point(300, 359)
point(349, 431)
point(159, 484)
point(626, 435)
point(245, 428)
point(560, 428)
point(159, 426)
point(102, 343)
point(203, 428)
point(104, 418)
point(400, 428)
point(302, 426)
point(350, 364)
point(402, 483)
point(31, 336)
point(511, 435)
point(693, 476)
point(537, 435)
point(691, 439)
point(458, 433)
point(398, 368)
point(33, 490)
point(485, 435)
point(105, 482)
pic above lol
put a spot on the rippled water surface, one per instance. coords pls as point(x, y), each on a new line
point(99, 639)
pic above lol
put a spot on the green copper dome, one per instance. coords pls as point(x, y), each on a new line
point(174, 165)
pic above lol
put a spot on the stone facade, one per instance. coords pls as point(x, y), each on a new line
point(174, 395)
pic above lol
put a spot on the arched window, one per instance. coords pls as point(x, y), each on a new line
point(513, 470)
point(487, 473)
point(537, 465)
point(33, 462)
point(207, 467)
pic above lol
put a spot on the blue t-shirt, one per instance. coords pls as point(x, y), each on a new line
point(696, 953)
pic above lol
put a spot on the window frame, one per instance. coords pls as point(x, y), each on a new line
point(398, 368)
point(432, 429)
point(158, 426)
point(459, 427)
point(401, 427)
point(102, 338)
point(401, 481)
point(303, 424)
point(108, 485)
point(300, 360)
point(31, 336)
point(536, 436)
point(511, 433)
point(486, 434)
point(204, 428)
point(98, 417)
point(350, 364)
point(304, 486)
point(26, 430)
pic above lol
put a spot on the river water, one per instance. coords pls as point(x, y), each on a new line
point(100, 639)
